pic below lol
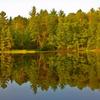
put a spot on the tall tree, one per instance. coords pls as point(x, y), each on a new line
point(18, 28)
point(5, 34)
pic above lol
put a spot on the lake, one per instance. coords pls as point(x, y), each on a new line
point(50, 76)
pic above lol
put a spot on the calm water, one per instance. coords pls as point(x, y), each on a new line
point(53, 76)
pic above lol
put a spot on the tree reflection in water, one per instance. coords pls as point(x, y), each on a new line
point(51, 70)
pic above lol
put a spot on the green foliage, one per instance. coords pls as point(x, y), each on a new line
point(51, 30)
point(6, 39)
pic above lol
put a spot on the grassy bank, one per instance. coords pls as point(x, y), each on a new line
point(34, 51)
point(19, 51)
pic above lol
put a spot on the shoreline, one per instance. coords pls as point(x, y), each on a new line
point(37, 51)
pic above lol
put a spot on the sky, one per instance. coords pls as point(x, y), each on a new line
point(23, 7)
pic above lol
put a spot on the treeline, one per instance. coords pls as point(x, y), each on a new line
point(51, 70)
point(51, 30)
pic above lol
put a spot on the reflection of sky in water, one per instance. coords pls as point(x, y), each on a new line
point(24, 92)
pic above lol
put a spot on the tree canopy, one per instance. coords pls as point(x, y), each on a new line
point(51, 30)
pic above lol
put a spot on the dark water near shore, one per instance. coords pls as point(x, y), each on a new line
point(52, 76)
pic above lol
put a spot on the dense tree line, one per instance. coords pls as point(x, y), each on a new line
point(51, 30)
point(51, 70)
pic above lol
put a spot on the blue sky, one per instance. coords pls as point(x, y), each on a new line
point(22, 7)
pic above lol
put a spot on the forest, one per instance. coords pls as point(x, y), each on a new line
point(50, 31)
